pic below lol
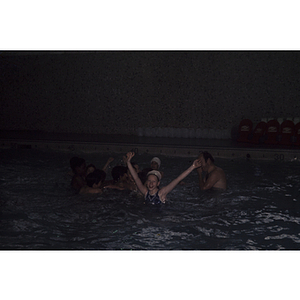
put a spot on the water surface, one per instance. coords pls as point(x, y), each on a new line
point(259, 211)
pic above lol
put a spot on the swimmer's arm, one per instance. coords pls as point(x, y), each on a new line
point(135, 176)
point(107, 163)
point(112, 186)
point(167, 189)
point(87, 190)
point(209, 183)
point(96, 191)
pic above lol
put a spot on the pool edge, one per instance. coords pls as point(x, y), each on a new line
point(183, 150)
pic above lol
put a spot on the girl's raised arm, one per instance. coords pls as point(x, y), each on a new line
point(167, 189)
point(135, 176)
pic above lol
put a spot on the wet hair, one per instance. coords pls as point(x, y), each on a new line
point(95, 177)
point(76, 162)
point(207, 156)
point(117, 172)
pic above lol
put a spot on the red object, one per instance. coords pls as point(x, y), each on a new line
point(272, 132)
point(245, 128)
point(258, 132)
point(286, 132)
point(297, 134)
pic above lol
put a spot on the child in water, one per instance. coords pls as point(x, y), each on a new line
point(151, 190)
point(91, 168)
point(155, 165)
point(119, 175)
point(93, 182)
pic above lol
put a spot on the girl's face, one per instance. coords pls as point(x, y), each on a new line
point(152, 183)
point(154, 165)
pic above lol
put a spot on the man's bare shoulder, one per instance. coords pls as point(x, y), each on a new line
point(221, 178)
point(220, 170)
point(217, 171)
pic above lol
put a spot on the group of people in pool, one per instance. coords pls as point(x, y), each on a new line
point(89, 179)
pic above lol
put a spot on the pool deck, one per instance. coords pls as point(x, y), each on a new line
point(184, 147)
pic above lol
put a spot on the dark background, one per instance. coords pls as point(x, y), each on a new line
point(116, 92)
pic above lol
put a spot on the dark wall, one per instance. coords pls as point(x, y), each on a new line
point(117, 92)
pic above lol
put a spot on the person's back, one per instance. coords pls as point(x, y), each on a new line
point(221, 182)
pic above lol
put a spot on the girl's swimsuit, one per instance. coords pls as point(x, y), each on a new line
point(153, 199)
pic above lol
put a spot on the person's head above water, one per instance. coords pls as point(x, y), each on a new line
point(90, 169)
point(155, 173)
point(78, 165)
point(206, 156)
point(153, 180)
point(118, 172)
point(155, 163)
point(206, 160)
point(95, 178)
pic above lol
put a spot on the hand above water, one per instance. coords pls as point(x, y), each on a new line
point(129, 156)
point(197, 164)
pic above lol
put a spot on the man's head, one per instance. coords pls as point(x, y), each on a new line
point(207, 156)
point(206, 160)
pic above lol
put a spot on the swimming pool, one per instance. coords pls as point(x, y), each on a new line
point(260, 210)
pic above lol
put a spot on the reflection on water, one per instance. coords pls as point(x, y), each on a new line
point(260, 209)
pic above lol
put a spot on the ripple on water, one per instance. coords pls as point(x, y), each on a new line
point(40, 211)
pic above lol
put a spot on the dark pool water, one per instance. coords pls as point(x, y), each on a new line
point(259, 211)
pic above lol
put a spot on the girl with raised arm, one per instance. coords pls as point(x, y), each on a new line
point(151, 190)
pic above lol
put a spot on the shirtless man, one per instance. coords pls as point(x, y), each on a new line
point(215, 176)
